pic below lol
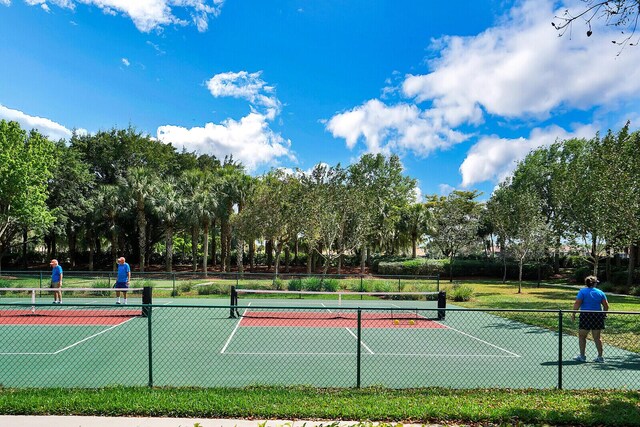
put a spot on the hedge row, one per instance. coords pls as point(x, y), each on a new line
point(462, 268)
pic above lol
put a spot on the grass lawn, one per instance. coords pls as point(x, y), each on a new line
point(499, 407)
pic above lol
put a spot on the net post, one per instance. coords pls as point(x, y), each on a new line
point(146, 301)
point(234, 303)
point(442, 304)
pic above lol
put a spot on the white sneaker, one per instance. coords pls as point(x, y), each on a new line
point(599, 359)
point(580, 358)
point(125, 302)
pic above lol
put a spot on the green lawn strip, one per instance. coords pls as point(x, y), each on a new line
point(622, 330)
point(415, 405)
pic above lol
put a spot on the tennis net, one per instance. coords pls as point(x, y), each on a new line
point(267, 303)
point(74, 301)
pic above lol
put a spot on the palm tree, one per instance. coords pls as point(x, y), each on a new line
point(141, 186)
point(170, 209)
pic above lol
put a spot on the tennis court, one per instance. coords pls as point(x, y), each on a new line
point(346, 343)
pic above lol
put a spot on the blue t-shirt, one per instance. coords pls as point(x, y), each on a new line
point(591, 298)
point(123, 272)
point(56, 273)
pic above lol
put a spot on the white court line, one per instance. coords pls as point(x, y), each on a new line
point(234, 331)
point(483, 341)
point(374, 354)
point(69, 346)
point(361, 342)
point(354, 335)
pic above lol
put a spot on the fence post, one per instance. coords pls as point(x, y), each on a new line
point(109, 279)
point(438, 282)
point(560, 350)
point(41, 279)
point(150, 350)
point(174, 293)
point(359, 350)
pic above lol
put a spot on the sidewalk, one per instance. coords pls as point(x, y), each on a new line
point(73, 421)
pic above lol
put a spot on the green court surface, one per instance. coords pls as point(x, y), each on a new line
point(194, 342)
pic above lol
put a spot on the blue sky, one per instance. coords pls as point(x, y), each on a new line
point(461, 91)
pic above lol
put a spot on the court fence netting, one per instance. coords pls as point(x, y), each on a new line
point(351, 341)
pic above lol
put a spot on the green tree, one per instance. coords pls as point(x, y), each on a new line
point(455, 222)
point(27, 161)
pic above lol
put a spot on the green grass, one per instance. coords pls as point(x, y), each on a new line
point(511, 407)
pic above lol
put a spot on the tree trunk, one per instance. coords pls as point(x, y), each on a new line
point(451, 268)
point(214, 258)
point(268, 251)
point(91, 241)
point(114, 246)
point(414, 247)
point(25, 236)
point(252, 254)
point(521, 262)
point(194, 247)
point(556, 256)
point(633, 255)
point(142, 236)
point(240, 255)
point(168, 257)
point(223, 243)
point(287, 258)
point(363, 258)
point(310, 260)
point(205, 246)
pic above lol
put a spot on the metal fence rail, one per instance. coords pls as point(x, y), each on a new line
point(94, 345)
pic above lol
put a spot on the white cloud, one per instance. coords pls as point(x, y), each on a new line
point(521, 68)
point(249, 140)
point(148, 15)
point(126, 62)
point(46, 127)
point(494, 158)
point(5, 2)
point(445, 189)
point(385, 129)
point(245, 85)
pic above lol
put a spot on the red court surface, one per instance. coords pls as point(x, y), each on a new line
point(335, 320)
point(66, 317)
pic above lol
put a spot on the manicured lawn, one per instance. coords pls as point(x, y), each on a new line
point(502, 407)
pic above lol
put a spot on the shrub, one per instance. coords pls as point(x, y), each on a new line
point(581, 273)
point(212, 289)
point(278, 284)
point(294, 285)
point(461, 293)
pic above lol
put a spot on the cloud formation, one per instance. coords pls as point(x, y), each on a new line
point(52, 130)
point(147, 15)
point(385, 129)
point(518, 71)
point(250, 139)
point(493, 158)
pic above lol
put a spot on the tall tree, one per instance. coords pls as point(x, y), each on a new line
point(142, 188)
point(455, 222)
point(27, 161)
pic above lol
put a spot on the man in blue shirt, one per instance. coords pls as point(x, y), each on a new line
point(589, 301)
point(122, 282)
point(56, 281)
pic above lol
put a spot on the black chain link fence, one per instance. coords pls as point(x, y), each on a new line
point(94, 345)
